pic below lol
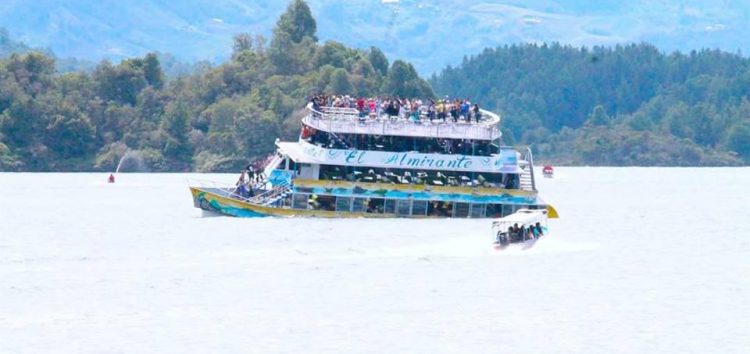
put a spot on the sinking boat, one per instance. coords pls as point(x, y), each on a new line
point(347, 164)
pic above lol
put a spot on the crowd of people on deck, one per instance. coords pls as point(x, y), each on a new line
point(251, 179)
point(416, 176)
point(467, 147)
point(415, 109)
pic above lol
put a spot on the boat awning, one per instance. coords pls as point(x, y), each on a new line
point(524, 216)
point(292, 150)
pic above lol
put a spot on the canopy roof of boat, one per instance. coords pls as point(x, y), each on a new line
point(523, 216)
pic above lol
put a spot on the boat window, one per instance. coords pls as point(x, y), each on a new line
point(299, 201)
point(358, 205)
point(403, 207)
point(476, 210)
point(376, 206)
point(390, 206)
point(419, 207)
point(494, 210)
point(507, 209)
point(461, 210)
point(439, 208)
point(323, 202)
point(343, 203)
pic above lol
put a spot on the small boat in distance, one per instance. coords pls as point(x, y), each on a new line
point(548, 171)
point(523, 228)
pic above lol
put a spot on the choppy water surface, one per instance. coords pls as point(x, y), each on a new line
point(643, 260)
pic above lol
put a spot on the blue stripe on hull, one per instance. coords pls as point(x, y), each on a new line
point(216, 207)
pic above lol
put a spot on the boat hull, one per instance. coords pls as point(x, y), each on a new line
point(213, 201)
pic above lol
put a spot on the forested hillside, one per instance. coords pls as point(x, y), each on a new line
point(215, 120)
point(627, 105)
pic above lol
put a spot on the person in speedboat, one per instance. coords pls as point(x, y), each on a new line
point(515, 234)
point(538, 231)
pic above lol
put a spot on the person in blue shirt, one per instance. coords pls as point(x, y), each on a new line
point(465, 110)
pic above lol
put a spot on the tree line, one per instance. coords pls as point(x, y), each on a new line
point(215, 119)
point(622, 105)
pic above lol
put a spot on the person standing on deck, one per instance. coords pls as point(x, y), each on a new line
point(465, 110)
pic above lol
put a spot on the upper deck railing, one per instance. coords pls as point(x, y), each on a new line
point(349, 120)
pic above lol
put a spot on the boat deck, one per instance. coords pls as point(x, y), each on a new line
point(349, 120)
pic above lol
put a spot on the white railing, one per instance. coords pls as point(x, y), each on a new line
point(229, 189)
point(348, 120)
point(271, 196)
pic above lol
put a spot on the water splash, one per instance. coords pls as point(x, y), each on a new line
point(132, 159)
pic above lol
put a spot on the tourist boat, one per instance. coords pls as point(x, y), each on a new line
point(349, 164)
point(548, 171)
point(522, 228)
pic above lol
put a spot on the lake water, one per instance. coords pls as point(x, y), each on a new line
point(649, 260)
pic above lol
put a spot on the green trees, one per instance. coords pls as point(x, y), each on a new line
point(599, 117)
point(120, 83)
point(293, 39)
point(404, 81)
point(298, 22)
point(332, 53)
point(340, 84)
point(175, 129)
point(378, 60)
point(25, 84)
point(70, 134)
point(31, 72)
point(739, 140)
point(152, 71)
point(216, 119)
point(680, 108)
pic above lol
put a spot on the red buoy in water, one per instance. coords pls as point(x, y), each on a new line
point(111, 178)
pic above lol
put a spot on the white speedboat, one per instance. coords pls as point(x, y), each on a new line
point(522, 229)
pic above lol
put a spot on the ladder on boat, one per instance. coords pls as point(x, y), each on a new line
point(527, 176)
point(526, 179)
point(338, 139)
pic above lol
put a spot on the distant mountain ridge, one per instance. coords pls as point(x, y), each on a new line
point(431, 34)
